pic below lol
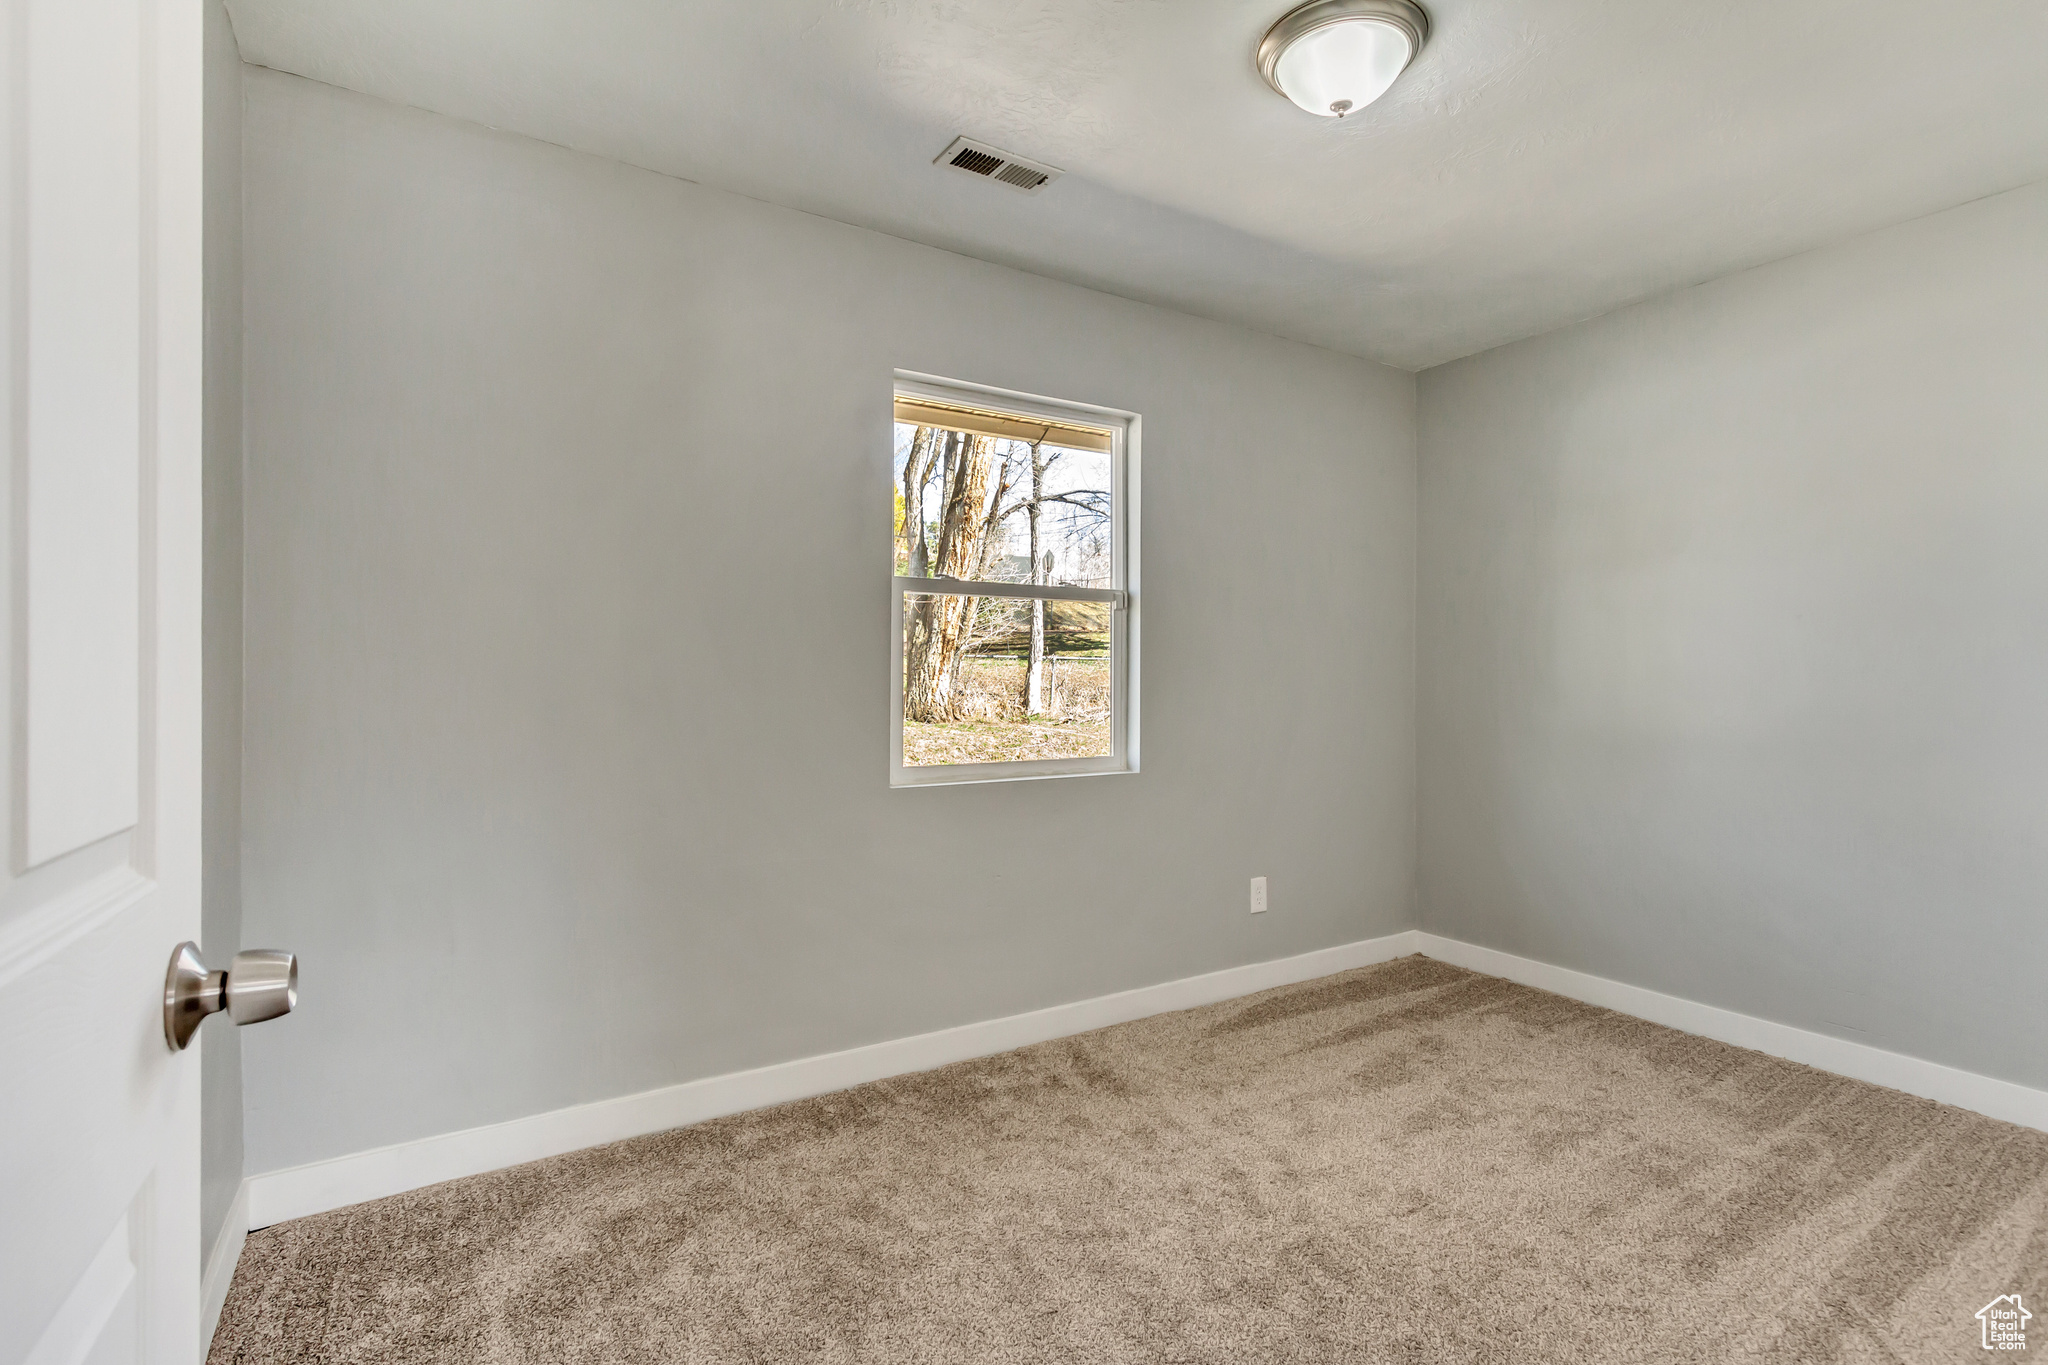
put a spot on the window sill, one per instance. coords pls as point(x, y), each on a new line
point(1040, 770)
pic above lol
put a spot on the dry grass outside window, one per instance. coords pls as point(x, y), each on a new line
point(990, 725)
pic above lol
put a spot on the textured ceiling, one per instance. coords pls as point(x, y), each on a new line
point(1542, 161)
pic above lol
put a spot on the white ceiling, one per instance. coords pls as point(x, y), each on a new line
point(1542, 161)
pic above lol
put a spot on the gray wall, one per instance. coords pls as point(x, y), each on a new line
point(567, 637)
point(220, 1049)
point(1734, 642)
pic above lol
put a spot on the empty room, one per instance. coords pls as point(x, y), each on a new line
point(1024, 681)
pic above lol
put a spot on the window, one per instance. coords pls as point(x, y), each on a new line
point(1014, 638)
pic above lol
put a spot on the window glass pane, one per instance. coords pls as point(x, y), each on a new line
point(968, 693)
point(1002, 508)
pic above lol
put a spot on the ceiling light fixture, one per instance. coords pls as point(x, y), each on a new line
point(1334, 57)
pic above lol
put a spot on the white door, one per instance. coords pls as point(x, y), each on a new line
point(100, 157)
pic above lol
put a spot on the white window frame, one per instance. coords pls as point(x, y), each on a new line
point(1121, 595)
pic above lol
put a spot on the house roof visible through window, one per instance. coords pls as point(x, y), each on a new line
point(930, 413)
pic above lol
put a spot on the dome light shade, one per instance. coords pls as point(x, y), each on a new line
point(1334, 57)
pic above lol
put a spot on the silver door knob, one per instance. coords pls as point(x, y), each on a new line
point(261, 983)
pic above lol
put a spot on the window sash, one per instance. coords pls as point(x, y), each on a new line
point(1119, 759)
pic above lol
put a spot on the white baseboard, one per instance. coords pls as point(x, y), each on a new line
point(220, 1267)
point(278, 1195)
point(1858, 1061)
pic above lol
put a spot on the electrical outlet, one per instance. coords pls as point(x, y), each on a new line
point(1258, 895)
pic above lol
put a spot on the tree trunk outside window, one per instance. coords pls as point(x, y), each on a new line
point(937, 629)
point(1041, 568)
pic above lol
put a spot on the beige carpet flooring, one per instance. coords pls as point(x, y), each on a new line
point(1407, 1162)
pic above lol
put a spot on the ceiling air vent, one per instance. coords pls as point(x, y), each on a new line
point(988, 163)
